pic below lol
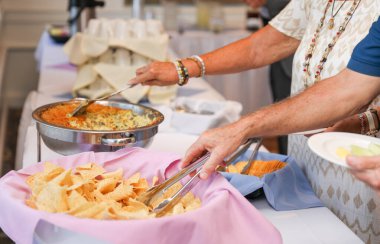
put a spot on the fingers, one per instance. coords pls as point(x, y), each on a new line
point(142, 70)
point(145, 75)
point(370, 177)
point(195, 151)
point(220, 142)
point(156, 74)
point(363, 163)
point(216, 159)
point(142, 78)
point(366, 169)
point(152, 83)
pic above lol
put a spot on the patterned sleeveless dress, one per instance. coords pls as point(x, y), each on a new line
point(351, 200)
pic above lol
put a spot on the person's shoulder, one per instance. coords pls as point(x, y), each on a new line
point(366, 55)
point(375, 29)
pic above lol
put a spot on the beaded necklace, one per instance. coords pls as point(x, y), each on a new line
point(330, 46)
point(332, 19)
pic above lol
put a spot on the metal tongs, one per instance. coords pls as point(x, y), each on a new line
point(153, 193)
point(87, 102)
point(251, 159)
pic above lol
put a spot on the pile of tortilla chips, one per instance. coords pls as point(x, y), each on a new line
point(91, 192)
point(257, 168)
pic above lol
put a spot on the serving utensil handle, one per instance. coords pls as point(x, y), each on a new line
point(118, 142)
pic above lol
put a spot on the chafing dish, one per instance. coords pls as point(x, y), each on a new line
point(69, 141)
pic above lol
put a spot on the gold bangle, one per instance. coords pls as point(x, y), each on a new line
point(198, 64)
point(203, 66)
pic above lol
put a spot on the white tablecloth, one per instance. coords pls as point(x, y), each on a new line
point(311, 226)
point(250, 88)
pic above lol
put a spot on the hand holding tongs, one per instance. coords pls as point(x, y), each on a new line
point(160, 189)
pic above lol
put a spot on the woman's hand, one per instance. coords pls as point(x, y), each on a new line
point(220, 142)
point(366, 169)
point(156, 74)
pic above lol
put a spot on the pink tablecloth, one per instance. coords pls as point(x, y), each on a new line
point(225, 216)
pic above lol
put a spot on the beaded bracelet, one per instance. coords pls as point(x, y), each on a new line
point(201, 64)
point(183, 73)
point(181, 77)
point(362, 123)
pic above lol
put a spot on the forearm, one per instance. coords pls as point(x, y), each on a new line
point(320, 106)
point(259, 49)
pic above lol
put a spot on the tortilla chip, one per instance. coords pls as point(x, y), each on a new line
point(187, 199)
point(52, 198)
point(154, 181)
point(178, 209)
point(75, 199)
point(195, 204)
point(122, 191)
point(134, 178)
point(89, 210)
point(117, 174)
point(63, 179)
point(107, 185)
point(89, 192)
point(89, 171)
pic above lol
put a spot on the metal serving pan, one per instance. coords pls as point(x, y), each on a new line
point(69, 141)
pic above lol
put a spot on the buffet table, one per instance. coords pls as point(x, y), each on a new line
point(314, 225)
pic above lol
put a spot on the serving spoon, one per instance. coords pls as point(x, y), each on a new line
point(87, 102)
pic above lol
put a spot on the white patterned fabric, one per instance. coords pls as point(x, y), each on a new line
point(352, 201)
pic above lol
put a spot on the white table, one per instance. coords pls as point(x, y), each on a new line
point(311, 226)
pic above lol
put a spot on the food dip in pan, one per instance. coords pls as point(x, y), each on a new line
point(68, 140)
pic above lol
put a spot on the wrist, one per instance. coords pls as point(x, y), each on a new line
point(174, 74)
point(363, 123)
point(369, 122)
point(244, 128)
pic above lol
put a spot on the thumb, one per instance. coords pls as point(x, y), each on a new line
point(133, 81)
point(363, 163)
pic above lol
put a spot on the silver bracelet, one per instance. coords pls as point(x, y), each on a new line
point(202, 64)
